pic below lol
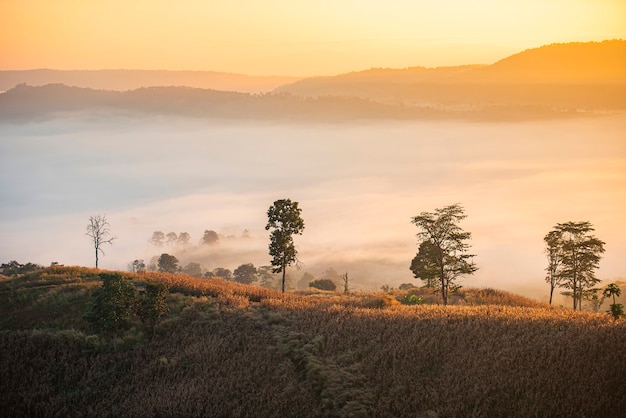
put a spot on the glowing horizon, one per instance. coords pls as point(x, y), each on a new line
point(291, 37)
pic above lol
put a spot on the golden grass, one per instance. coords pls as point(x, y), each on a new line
point(234, 350)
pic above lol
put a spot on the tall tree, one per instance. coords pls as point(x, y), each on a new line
point(580, 254)
point(245, 273)
point(111, 306)
point(449, 248)
point(99, 230)
point(171, 238)
point(284, 219)
point(184, 238)
point(158, 238)
point(168, 263)
point(553, 251)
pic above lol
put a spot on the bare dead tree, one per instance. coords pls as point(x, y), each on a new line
point(99, 231)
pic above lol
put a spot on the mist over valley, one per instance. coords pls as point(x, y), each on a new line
point(358, 185)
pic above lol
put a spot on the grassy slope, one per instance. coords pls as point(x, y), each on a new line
point(234, 350)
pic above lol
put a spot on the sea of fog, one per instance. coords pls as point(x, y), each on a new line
point(358, 186)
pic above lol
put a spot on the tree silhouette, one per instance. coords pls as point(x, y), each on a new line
point(578, 253)
point(98, 229)
point(284, 220)
point(447, 252)
point(616, 309)
point(553, 252)
point(245, 273)
point(168, 263)
point(210, 237)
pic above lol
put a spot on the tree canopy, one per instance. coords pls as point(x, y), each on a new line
point(284, 219)
point(424, 265)
point(210, 237)
point(573, 257)
point(168, 263)
point(444, 256)
point(99, 230)
point(245, 273)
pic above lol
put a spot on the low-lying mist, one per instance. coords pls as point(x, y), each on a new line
point(358, 186)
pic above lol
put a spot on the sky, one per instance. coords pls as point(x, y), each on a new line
point(291, 37)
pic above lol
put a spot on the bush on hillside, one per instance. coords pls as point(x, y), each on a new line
point(323, 284)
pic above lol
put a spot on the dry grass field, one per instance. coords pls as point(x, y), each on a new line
point(230, 350)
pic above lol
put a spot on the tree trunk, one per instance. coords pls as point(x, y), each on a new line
point(444, 285)
point(551, 292)
point(284, 268)
point(283, 287)
point(115, 342)
point(444, 292)
point(96, 257)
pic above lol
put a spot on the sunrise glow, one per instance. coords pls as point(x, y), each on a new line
point(291, 37)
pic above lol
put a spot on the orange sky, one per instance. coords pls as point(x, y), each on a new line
point(291, 37)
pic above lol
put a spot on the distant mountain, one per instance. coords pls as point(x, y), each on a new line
point(576, 62)
point(560, 80)
point(122, 80)
point(573, 76)
point(53, 100)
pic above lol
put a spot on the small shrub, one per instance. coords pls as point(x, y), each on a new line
point(617, 310)
point(411, 299)
point(323, 284)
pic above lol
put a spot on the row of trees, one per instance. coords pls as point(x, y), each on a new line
point(573, 257)
point(442, 258)
point(209, 237)
point(247, 273)
point(13, 268)
point(160, 238)
point(573, 252)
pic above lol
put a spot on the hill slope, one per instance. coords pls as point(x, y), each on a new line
point(574, 75)
point(235, 350)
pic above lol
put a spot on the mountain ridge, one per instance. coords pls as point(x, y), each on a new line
point(524, 86)
point(123, 79)
point(574, 75)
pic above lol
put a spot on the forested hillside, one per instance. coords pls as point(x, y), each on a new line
point(227, 349)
